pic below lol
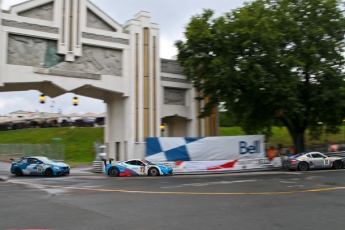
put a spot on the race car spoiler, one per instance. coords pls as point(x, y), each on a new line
point(105, 161)
point(13, 160)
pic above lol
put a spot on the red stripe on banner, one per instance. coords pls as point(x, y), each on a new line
point(270, 158)
point(178, 163)
point(224, 166)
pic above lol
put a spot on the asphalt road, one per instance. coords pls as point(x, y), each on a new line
point(256, 200)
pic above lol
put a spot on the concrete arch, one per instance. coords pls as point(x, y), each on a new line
point(91, 55)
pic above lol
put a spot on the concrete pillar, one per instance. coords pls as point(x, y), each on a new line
point(117, 125)
point(1, 45)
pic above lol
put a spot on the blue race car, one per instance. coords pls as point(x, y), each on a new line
point(38, 165)
point(136, 167)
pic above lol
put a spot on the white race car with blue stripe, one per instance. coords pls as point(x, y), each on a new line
point(136, 167)
point(38, 165)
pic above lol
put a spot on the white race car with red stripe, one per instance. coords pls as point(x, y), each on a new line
point(136, 167)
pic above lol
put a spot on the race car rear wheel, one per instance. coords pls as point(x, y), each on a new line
point(303, 166)
point(49, 172)
point(18, 172)
point(153, 172)
point(337, 165)
point(113, 171)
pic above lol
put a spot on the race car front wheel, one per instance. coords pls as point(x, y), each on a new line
point(113, 171)
point(153, 172)
point(49, 172)
point(18, 172)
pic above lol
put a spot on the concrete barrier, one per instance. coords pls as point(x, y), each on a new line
point(97, 166)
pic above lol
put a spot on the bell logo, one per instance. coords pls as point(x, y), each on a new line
point(249, 149)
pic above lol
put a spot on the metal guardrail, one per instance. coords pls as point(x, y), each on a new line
point(336, 154)
point(52, 151)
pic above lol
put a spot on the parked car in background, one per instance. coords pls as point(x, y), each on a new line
point(85, 122)
point(100, 121)
point(3, 126)
point(34, 124)
point(53, 123)
point(38, 165)
point(65, 122)
point(312, 160)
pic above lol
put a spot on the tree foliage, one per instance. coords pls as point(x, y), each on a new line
point(226, 119)
point(269, 61)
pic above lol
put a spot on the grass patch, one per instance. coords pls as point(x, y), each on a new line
point(79, 148)
point(78, 142)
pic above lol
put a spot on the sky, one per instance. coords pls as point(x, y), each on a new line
point(172, 17)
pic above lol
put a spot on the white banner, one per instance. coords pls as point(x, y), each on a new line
point(205, 149)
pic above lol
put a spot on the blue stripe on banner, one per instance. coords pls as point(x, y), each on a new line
point(177, 154)
point(192, 139)
point(152, 146)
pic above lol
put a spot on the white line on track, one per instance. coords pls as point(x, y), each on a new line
point(208, 183)
point(287, 182)
point(297, 185)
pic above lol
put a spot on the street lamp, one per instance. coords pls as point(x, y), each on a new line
point(75, 101)
point(162, 127)
point(42, 98)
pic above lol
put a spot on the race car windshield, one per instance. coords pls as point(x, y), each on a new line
point(45, 160)
point(149, 162)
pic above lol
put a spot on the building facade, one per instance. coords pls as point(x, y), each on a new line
point(71, 46)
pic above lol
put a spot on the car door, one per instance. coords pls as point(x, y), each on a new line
point(144, 167)
point(327, 163)
point(133, 165)
point(32, 166)
point(318, 160)
point(141, 167)
point(37, 167)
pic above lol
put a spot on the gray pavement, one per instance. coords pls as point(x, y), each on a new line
point(252, 200)
point(81, 170)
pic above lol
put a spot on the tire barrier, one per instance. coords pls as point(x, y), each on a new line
point(97, 166)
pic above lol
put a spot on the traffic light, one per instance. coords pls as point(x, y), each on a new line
point(75, 101)
point(42, 98)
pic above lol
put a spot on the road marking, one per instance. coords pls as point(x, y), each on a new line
point(297, 185)
point(183, 193)
point(209, 183)
point(288, 182)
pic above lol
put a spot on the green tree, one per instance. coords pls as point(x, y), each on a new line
point(226, 119)
point(271, 61)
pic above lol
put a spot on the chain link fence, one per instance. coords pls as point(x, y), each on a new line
point(52, 151)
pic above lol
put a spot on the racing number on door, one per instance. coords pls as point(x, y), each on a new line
point(142, 169)
point(326, 161)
